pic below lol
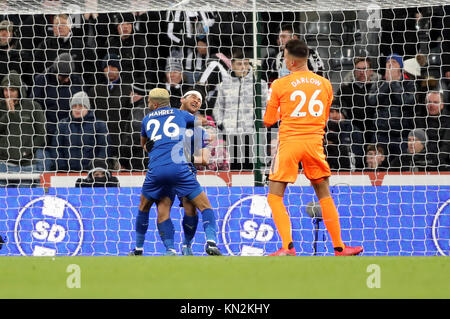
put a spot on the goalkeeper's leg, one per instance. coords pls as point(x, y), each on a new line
point(281, 218)
point(330, 218)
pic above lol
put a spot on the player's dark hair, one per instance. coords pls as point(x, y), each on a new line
point(363, 59)
point(297, 48)
point(289, 27)
point(240, 54)
point(237, 53)
point(375, 148)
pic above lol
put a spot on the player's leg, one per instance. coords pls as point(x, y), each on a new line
point(189, 187)
point(330, 217)
point(190, 222)
point(141, 225)
point(281, 217)
point(199, 199)
point(329, 212)
point(317, 170)
point(2, 242)
point(283, 171)
point(165, 226)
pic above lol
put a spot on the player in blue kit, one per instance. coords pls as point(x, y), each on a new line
point(169, 173)
point(197, 152)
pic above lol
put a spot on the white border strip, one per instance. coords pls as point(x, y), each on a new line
point(241, 180)
point(433, 228)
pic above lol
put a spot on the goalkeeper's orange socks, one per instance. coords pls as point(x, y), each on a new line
point(281, 218)
point(330, 217)
point(283, 223)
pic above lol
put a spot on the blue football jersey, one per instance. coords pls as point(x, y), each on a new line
point(195, 140)
point(166, 126)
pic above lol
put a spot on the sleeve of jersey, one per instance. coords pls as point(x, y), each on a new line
point(190, 119)
point(271, 116)
point(143, 131)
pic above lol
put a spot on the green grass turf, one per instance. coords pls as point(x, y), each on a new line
point(225, 277)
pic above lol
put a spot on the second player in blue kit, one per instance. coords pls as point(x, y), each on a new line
point(197, 152)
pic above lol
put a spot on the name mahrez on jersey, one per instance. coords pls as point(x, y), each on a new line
point(304, 80)
point(160, 113)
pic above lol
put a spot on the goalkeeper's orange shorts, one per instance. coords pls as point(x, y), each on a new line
point(309, 151)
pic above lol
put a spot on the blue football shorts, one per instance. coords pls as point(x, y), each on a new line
point(171, 180)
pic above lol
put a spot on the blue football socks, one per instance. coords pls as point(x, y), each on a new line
point(141, 229)
point(189, 228)
point(167, 233)
point(209, 224)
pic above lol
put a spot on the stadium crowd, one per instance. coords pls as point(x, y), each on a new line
point(74, 87)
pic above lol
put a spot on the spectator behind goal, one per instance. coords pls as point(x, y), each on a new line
point(416, 158)
point(22, 128)
point(175, 79)
point(234, 111)
point(436, 124)
point(12, 57)
point(63, 41)
point(111, 100)
point(216, 70)
point(375, 159)
point(53, 90)
point(351, 99)
point(81, 139)
point(394, 99)
point(99, 176)
point(195, 60)
point(274, 66)
point(136, 60)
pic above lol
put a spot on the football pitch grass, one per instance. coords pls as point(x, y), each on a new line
point(226, 277)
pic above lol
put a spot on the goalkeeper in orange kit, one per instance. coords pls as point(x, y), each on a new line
point(301, 100)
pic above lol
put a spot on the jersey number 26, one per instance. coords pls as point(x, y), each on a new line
point(169, 129)
point(312, 105)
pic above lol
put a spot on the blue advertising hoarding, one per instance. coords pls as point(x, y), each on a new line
point(385, 220)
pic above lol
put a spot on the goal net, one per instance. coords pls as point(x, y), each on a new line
point(75, 77)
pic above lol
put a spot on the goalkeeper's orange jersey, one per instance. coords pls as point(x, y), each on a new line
point(302, 101)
